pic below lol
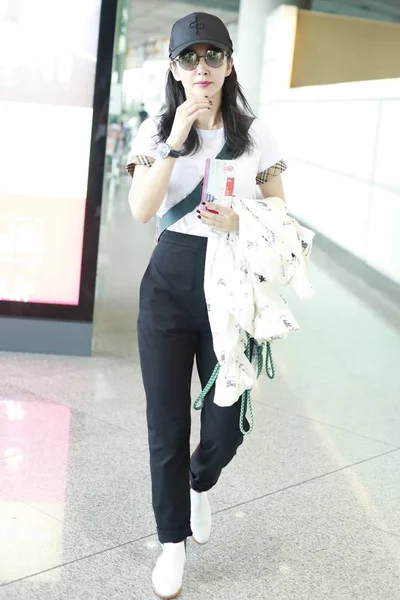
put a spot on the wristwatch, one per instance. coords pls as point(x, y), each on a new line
point(164, 151)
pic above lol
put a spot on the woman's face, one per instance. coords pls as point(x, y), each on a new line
point(203, 80)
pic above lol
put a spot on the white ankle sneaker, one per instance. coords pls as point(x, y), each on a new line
point(200, 519)
point(168, 573)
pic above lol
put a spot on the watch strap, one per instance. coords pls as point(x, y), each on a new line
point(174, 153)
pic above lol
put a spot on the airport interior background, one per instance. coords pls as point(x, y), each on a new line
point(310, 508)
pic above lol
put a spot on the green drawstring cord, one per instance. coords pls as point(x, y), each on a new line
point(269, 362)
point(246, 405)
point(199, 402)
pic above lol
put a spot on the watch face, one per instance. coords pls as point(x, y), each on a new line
point(163, 150)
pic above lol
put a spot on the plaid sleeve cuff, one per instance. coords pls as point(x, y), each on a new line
point(140, 159)
point(272, 172)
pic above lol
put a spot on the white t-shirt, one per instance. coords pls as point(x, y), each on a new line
point(263, 162)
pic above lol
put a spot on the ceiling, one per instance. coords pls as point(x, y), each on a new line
point(153, 19)
point(388, 10)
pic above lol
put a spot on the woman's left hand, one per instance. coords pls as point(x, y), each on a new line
point(219, 217)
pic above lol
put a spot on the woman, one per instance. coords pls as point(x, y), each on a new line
point(202, 114)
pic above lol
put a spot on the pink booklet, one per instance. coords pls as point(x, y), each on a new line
point(219, 181)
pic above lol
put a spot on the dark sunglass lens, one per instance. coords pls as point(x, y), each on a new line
point(215, 58)
point(189, 60)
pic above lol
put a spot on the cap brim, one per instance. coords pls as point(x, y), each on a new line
point(182, 47)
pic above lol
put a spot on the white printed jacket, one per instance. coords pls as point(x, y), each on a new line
point(244, 274)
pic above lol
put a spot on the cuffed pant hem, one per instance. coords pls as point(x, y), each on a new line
point(174, 536)
point(200, 487)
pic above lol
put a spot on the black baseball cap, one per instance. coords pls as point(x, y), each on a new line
point(199, 28)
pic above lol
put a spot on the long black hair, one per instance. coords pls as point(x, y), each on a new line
point(235, 112)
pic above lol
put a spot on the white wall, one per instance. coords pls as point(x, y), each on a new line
point(342, 145)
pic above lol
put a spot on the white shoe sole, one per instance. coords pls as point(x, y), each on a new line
point(199, 543)
point(166, 597)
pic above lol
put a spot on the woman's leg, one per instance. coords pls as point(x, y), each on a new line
point(167, 364)
point(220, 432)
point(167, 343)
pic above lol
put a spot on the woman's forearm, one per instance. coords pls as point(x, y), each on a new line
point(149, 188)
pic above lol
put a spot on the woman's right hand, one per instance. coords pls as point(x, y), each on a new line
point(186, 114)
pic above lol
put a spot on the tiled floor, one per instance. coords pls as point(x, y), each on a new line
point(310, 508)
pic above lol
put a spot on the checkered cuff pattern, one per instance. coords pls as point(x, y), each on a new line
point(272, 172)
point(140, 159)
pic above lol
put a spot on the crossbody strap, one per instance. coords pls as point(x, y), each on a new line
point(193, 199)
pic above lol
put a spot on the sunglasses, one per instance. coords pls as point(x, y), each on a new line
point(190, 60)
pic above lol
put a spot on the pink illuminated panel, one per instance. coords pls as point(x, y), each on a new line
point(34, 455)
point(47, 70)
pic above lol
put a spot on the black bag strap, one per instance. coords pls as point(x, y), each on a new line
point(193, 199)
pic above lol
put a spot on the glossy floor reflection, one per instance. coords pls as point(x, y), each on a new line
point(310, 508)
